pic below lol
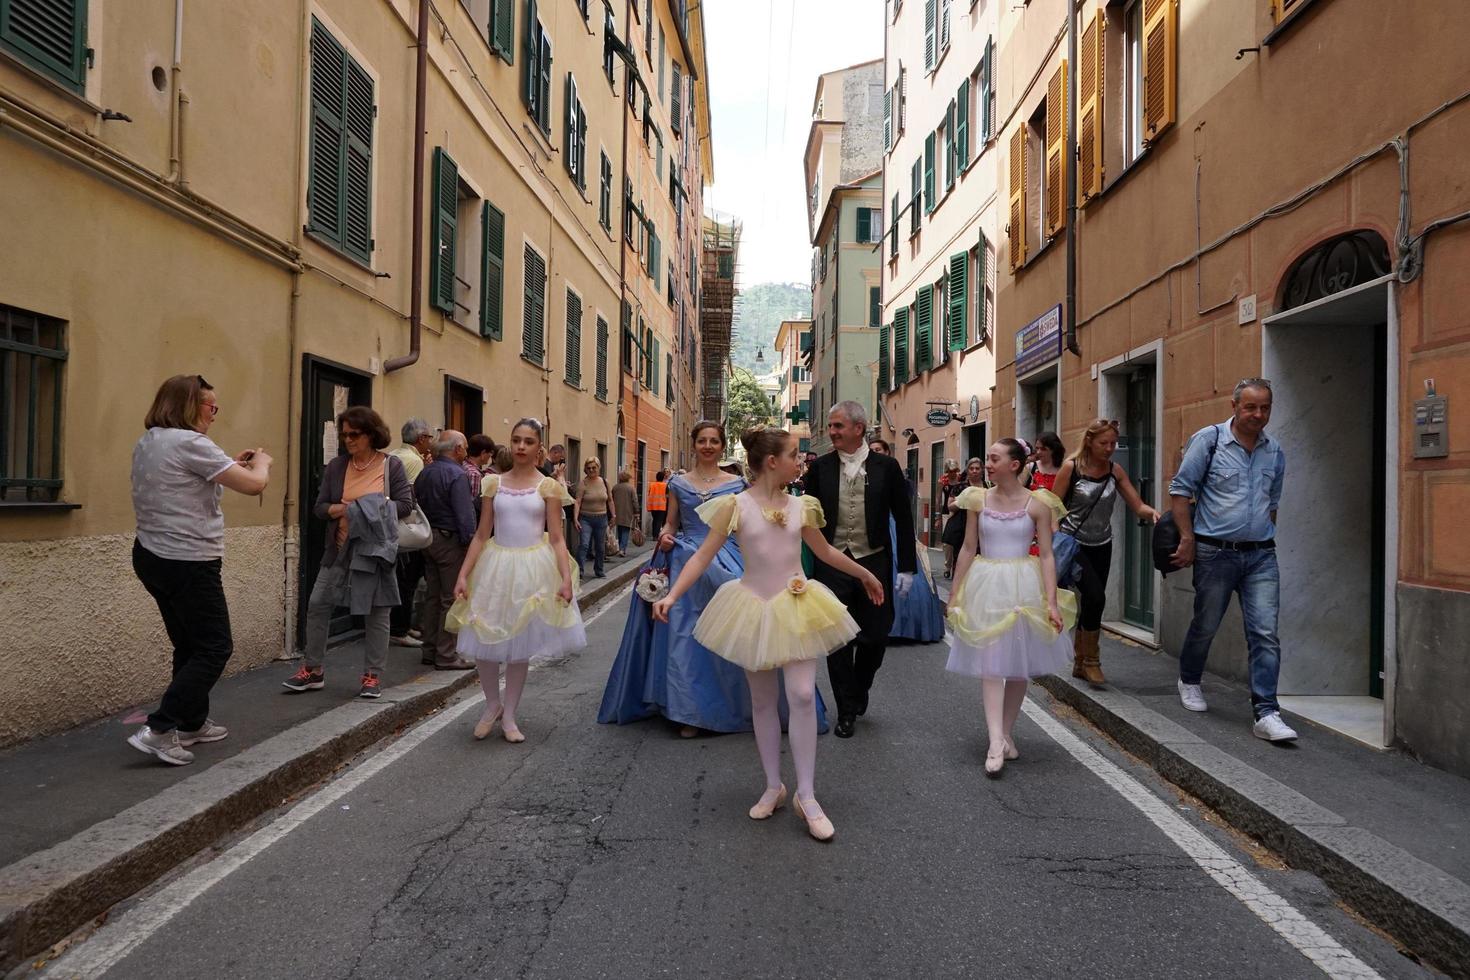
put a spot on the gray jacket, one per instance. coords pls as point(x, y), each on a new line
point(335, 478)
point(372, 552)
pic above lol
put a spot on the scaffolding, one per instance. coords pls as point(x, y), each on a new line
point(719, 289)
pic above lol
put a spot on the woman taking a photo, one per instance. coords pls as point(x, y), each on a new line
point(1089, 485)
point(365, 493)
point(179, 476)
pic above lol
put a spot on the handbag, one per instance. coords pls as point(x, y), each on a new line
point(1064, 543)
point(1166, 532)
point(653, 581)
point(637, 536)
point(414, 532)
point(610, 539)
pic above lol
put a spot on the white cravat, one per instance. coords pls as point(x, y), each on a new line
point(852, 463)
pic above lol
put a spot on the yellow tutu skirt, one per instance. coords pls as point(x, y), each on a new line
point(513, 611)
point(760, 634)
point(1000, 625)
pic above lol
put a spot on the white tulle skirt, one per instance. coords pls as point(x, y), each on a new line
point(513, 612)
point(1000, 624)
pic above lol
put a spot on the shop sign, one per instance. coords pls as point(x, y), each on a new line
point(939, 416)
point(1039, 342)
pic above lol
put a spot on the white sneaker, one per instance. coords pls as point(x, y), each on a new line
point(405, 641)
point(1273, 729)
point(164, 746)
point(1192, 696)
point(210, 731)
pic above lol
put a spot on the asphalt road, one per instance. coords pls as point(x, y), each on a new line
point(599, 851)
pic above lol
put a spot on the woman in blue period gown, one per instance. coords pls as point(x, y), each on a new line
point(660, 668)
point(918, 616)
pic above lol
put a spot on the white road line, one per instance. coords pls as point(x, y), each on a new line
point(105, 948)
point(1316, 945)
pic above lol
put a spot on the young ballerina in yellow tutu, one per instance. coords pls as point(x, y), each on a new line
point(516, 595)
point(1009, 624)
point(774, 617)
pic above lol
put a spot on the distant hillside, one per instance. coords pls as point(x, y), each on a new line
point(761, 310)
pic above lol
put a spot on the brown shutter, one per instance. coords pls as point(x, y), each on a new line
point(1056, 151)
point(1090, 94)
point(1160, 66)
point(1016, 230)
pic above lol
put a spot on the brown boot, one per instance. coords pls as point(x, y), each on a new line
point(1087, 664)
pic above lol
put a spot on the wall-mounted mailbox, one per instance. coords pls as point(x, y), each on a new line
point(1431, 427)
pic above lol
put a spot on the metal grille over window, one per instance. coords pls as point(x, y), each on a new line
point(32, 362)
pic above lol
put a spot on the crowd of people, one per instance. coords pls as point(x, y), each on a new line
point(755, 577)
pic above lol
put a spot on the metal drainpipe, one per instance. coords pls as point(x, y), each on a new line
point(416, 277)
point(1071, 151)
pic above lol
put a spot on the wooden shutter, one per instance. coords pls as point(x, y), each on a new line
point(602, 331)
point(931, 37)
point(503, 29)
point(1016, 227)
point(492, 272)
point(949, 146)
point(987, 92)
point(531, 72)
point(900, 346)
point(328, 130)
point(544, 95)
point(654, 359)
point(1090, 94)
point(676, 93)
point(875, 306)
point(1160, 66)
point(883, 340)
point(887, 120)
point(916, 202)
point(50, 35)
point(959, 300)
point(929, 172)
point(944, 25)
point(1280, 8)
point(902, 109)
point(924, 334)
point(445, 224)
point(893, 229)
point(574, 339)
point(982, 282)
point(1056, 151)
point(357, 216)
point(533, 314)
point(962, 124)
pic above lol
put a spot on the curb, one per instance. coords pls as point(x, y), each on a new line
point(1422, 906)
point(46, 896)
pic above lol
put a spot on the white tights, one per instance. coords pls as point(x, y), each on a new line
point(1002, 698)
point(515, 683)
point(801, 700)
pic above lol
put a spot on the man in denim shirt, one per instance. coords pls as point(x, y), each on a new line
point(1230, 540)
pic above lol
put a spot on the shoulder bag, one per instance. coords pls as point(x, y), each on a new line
point(1166, 531)
point(1064, 543)
point(414, 532)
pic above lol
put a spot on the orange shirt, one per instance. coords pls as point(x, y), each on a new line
point(359, 484)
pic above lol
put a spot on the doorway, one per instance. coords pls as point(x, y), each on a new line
point(975, 444)
point(936, 493)
point(330, 389)
point(1138, 453)
point(1037, 409)
point(464, 407)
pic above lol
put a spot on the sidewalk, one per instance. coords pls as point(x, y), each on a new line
point(1390, 835)
point(89, 820)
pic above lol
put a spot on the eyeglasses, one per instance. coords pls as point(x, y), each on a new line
point(349, 434)
point(213, 408)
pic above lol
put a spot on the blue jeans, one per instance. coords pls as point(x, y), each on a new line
point(624, 534)
point(594, 542)
point(1255, 577)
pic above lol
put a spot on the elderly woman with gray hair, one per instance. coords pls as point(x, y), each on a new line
point(365, 493)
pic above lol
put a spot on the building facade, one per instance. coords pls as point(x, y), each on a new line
point(936, 361)
point(844, 202)
point(794, 403)
point(291, 241)
point(1226, 219)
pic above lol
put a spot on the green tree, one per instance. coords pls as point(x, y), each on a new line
point(747, 404)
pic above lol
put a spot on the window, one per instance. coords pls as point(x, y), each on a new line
point(894, 111)
point(669, 379)
point(944, 25)
point(1054, 201)
point(492, 271)
point(662, 59)
point(629, 209)
point(875, 306)
point(32, 361)
point(628, 341)
point(444, 281)
point(962, 126)
point(601, 380)
point(931, 34)
point(610, 43)
point(949, 147)
point(648, 30)
point(676, 118)
point(984, 288)
point(503, 29)
point(958, 297)
point(900, 346)
point(1111, 96)
point(339, 181)
point(647, 350)
point(985, 84)
point(916, 183)
point(929, 147)
point(924, 329)
point(574, 340)
point(536, 77)
point(467, 280)
point(533, 313)
point(869, 225)
point(893, 229)
point(48, 35)
point(884, 335)
point(604, 193)
point(672, 282)
point(574, 135)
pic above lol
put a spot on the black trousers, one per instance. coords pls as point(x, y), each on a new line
point(1093, 563)
point(191, 598)
point(656, 520)
point(410, 569)
point(852, 668)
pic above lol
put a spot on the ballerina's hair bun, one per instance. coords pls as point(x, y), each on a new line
point(760, 444)
point(533, 424)
point(1016, 449)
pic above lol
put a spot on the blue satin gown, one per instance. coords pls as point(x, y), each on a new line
point(918, 616)
point(660, 668)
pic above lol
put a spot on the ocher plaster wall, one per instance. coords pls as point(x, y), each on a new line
point(82, 638)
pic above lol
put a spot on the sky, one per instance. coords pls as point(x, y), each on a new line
point(764, 57)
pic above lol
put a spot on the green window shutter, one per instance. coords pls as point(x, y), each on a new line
point(328, 131)
point(574, 338)
point(492, 272)
point(900, 346)
point(931, 34)
point(656, 366)
point(883, 336)
point(962, 124)
point(531, 71)
point(50, 35)
point(503, 29)
point(893, 228)
point(875, 306)
point(950, 147)
point(916, 200)
point(544, 59)
point(982, 326)
point(533, 312)
point(676, 90)
point(929, 201)
point(924, 335)
point(446, 221)
point(864, 223)
point(357, 231)
point(987, 90)
point(959, 299)
point(887, 120)
point(601, 389)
